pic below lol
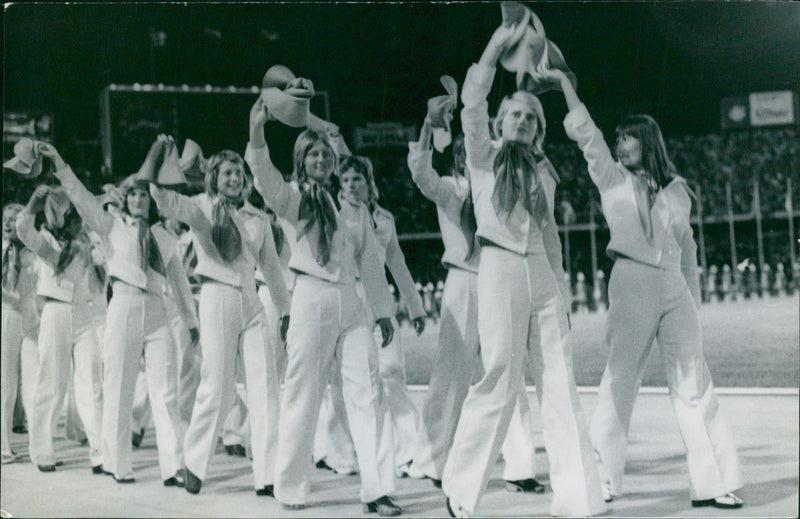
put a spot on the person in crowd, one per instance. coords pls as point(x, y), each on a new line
point(653, 293)
point(457, 348)
point(230, 237)
point(67, 334)
point(523, 302)
point(142, 261)
point(20, 320)
point(329, 249)
point(333, 438)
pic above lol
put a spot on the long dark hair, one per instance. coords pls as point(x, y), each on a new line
point(127, 186)
point(655, 160)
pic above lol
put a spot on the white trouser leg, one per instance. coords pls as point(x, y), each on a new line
point(514, 293)
point(160, 364)
point(519, 451)
point(273, 328)
point(262, 390)
point(236, 429)
point(711, 453)
point(55, 354)
point(142, 413)
point(314, 329)
point(123, 345)
point(10, 348)
point(456, 355)
point(29, 370)
point(188, 369)
point(333, 441)
point(87, 383)
point(221, 326)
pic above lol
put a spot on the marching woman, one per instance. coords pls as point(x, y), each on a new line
point(67, 332)
point(457, 349)
point(358, 188)
point(329, 249)
point(654, 293)
point(523, 302)
point(230, 237)
point(141, 259)
point(20, 321)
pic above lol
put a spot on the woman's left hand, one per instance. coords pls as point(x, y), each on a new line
point(387, 330)
point(419, 325)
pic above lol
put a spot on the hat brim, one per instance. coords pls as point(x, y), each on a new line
point(291, 111)
point(22, 168)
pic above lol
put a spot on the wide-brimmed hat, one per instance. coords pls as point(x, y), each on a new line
point(287, 96)
point(27, 161)
point(529, 49)
point(192, 163)
point(162, 165)
point(56, 206)
point(440, 113)
point(332, 131)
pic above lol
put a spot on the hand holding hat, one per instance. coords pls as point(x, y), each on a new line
point(529, 51)
point(440, 113)
point(286, 96)
point(162, 165)
point(27, 159)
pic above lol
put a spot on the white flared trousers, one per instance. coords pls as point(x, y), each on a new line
point(453, 366)
point(67, 345)
point(19, 364)
point(137, 325)
point(329, 325)
point(520, 313)
point(233, 326)
point(647, 303)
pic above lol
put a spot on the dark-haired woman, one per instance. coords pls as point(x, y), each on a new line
point(654, 293)
point(230, 238)
point(141, 260)
point(68, 287)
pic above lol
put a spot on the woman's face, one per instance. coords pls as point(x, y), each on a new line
point(10, 223)
point(319, 162)
point(519, 122)
point(138, 202)
point(230, 180)
point(629, 152)
point(354, 186)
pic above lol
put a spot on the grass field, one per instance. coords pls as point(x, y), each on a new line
point(753, 343)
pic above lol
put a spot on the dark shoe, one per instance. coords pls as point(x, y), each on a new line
point(236, 450)
point(124, 481)
point(384, 506)
point(59, 464)
point(19, 429)
point(107, 473)
point(98, 469)
point(322, 465)
point(266, 491)
point(136, 438)
point(436, 482)
point(191, 482)
point(287, 506)
point(175, 481)
point(525, 485)
point(729, 500)
point(46, 468)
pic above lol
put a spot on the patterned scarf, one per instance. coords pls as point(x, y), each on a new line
point(224, 232)
point(317, 210)
point(11, 264)
point(646, 189)
point(149, 255)
point(515, 168)
point(277, 232)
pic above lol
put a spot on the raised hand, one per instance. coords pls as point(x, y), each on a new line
point(38, 198)
point(50, 151)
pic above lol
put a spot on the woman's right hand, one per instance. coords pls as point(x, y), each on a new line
point(500, 41)
point(258, 113)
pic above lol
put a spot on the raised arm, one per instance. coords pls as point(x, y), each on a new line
point(89, 209)
point(28, 234)
point(267, 180)
point(182, 208)
point(435, 189)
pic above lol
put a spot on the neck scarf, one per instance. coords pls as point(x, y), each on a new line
point(317, 210)
point(515, 169)
point(468, 224)
point(149, 255)
point(646, 189)
point(224, 232)
point(277, 233)
point(11, 264)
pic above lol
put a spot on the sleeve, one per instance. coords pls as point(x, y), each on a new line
point(182, 208)
point(552, 247)
point(270, 265)
point(602, 168)
point(689, 264)
point(475, 117)
point(396, 262)
point(428, 181)
point(10, 296)
point(33, 239)
point(89, 209)
point(372, 273)
point(267, 180)
point(179, 281)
